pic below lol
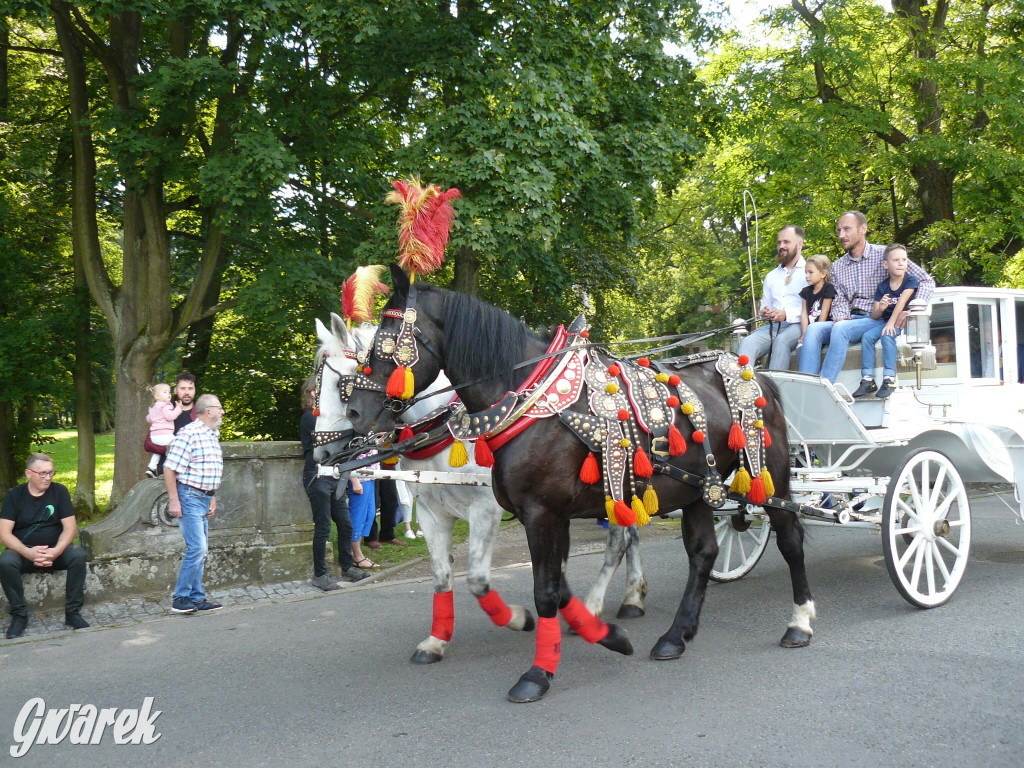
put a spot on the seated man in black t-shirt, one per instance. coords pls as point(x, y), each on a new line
point(37, 525)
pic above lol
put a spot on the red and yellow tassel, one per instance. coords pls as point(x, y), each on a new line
point(651, 503)
point(590, 472)
point(641, 464)
point(757, 493)
point(737, 440)
point(457, 456)
point(741, 482)
point(396, 383)
point(640, 511)
point(676, 441)
point(482, 453)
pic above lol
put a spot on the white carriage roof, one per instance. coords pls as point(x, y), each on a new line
point(978, 292)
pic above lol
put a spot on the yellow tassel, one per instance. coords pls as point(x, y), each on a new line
point(769, 486)
point(390, 462)
point(642, 518)
point(741, 483)
point(609, 508)
point(651, 500)
point(457, 456)
point(410, 385)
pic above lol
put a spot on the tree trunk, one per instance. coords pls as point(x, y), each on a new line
point(17, 425)
point(84, 499)
point(467, 271)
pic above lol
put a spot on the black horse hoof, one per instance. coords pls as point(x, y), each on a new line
point(629, 612)
point(529, 624)
point(617, 640)
point(532, 686)
point(795, 638)
point(425, 657)
point(665, 649)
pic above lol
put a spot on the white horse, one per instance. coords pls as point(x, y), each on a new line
point(438, 506)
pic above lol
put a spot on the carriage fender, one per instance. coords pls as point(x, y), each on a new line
point(982, 453)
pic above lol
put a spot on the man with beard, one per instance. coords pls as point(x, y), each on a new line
point(781, 304)
point(192, 474)
point(185, 392)
point(855, 275)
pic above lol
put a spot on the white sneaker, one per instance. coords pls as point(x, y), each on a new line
point(409, 533)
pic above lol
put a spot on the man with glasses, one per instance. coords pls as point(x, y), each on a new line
point(781, 304)
point(38, 526)
point(192, 474)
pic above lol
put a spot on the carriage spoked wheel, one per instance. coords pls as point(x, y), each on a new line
point(742, 539)
point(926, 528)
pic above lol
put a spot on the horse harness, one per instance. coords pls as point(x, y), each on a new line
point(626, 400)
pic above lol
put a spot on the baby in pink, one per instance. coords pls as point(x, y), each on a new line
point(161, 416)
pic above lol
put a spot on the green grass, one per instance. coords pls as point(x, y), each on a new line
point(64, 451)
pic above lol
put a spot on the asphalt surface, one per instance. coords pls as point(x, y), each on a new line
point(325, 680)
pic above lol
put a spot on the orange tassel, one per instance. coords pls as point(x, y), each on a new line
point(482, 453)
point(396, 382)
point(590, 472)
point(624, 515)
point(405, 434)
point(737, 440)
point(642, 464)
point(767, 438)
point(757, 493)
point(676, 441)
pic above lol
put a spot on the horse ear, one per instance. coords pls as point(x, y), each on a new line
point(399, 279)
point(321, 331)
point(338, 328)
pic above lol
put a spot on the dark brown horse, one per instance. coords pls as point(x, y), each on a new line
point(536, 475)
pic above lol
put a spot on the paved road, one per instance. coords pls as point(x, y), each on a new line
point(326, 681)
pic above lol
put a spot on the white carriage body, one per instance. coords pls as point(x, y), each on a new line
point(970, 406)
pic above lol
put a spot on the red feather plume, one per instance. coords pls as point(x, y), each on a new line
point(423, 224)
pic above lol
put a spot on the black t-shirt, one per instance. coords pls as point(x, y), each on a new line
point(37, 520)
point(814, 300)
point(892, 295)
point(185, 418)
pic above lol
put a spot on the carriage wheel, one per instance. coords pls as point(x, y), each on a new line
point(926, 529)
point(742, 539)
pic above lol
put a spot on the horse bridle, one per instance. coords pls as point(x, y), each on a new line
point(332, 436)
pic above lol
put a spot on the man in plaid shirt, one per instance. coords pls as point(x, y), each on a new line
point(192, 473)
point(855, 275)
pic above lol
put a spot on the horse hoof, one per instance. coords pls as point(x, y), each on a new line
point(795, 638)
point(425, 657)
point(629, 612)
point(617, 640)
point(529, 623)
point(532, 686)
point(666, 649)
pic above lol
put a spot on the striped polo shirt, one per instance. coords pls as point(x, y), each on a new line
point(856, 280)
point(196, 457)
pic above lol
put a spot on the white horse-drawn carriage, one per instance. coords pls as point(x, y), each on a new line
point(904, 465)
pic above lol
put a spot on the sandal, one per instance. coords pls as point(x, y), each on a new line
point(367, 563)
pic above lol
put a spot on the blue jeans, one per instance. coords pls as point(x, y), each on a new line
point(195, 506)
point(842, 335)
point(867, 351)
point(781, 337)
point(815, 339)
point(362, 508)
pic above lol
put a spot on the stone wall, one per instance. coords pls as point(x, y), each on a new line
point(262, 532)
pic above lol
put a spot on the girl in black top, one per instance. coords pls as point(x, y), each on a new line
point(818, 294)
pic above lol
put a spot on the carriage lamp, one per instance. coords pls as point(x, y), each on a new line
point(915, 344)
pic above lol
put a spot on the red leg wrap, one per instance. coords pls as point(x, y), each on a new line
point(585, 624)
point(444, 616)
point(495, 607)
point(549, 644)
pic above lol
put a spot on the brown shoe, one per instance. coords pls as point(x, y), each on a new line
point(373, 544)
point(395, 542)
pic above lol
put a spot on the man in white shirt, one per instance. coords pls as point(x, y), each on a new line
point(781, 304)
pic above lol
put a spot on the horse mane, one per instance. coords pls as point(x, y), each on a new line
point(480, 339)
